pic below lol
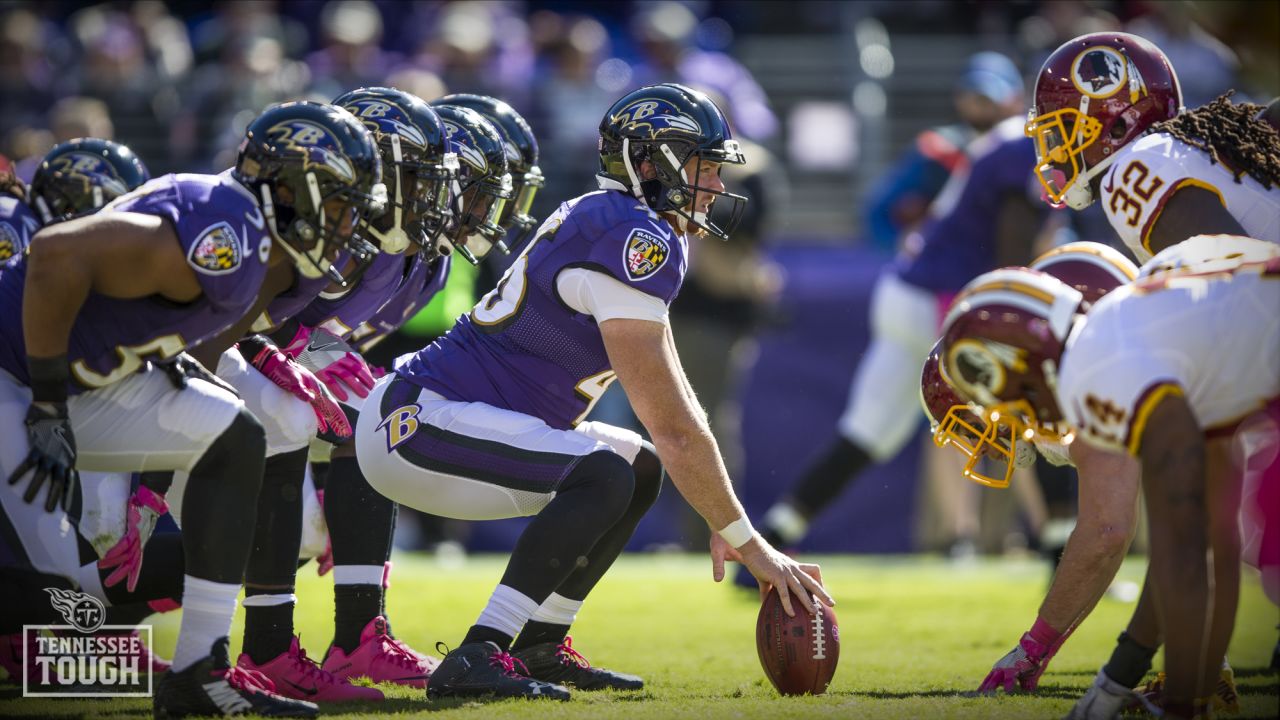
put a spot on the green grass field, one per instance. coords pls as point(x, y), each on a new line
point(916, 635)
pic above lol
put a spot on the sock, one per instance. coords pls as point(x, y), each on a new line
point(550, 622)
point(784, 525)
point(537, 633)
point(1129, 661)
point(268, 625)
point(506, 613)
point(480, 634)
point(132, 614)
point(207, 609)
point(353, 607)
point(826, 478)
point(361, 534)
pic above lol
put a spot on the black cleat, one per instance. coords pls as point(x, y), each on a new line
point(213, 687)
point(560, 663)
point(474, 669)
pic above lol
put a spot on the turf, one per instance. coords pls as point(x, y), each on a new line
point(917, 634)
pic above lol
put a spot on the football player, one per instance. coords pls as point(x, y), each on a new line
point(292, 404)
point(1122, 381)
point(167, 267)
point(1108, 489)
point(522, 161)
point(419, 175)
point(487, 422)
point(79, 176)
point(977, 223)
point(1108, 124)
point(18, 222)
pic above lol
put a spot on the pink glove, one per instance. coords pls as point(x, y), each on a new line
point(298, 343)
point(324, 562)
point(377, 372)
point(1023, 666)
point(349, 370)
point(297, 381)
point(145, 508)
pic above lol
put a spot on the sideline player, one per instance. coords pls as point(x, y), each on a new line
point(486, 422)
point(169, 266)
point(1108, 124)
point(1123, 380)
point(18, 221)
point(979, 222)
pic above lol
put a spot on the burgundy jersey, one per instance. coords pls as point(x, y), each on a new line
point(522, 348)
point(222, 234)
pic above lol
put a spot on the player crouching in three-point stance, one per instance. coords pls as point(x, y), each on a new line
point(1133, 376)
point(487, 422)
point(156, 273)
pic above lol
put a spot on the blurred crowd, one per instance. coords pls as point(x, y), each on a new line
point(178, 82)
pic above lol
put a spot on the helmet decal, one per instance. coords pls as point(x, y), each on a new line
point(384, 117)
point(85, 167)
point(317, 145)
point(1100, 72)
point(465, 146)
point(979, 368)
point(656, 115)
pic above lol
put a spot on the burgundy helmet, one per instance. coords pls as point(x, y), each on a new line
point(1092, 268)
point(10, 183)
point(956, 424)
point(1001, 343)
point(1094, 95)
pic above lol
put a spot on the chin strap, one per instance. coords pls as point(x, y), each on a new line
point(395, 240)
point(631, 171)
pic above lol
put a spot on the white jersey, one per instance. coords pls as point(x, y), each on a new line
point(1209, 253)
point(1212, 338)
point(1148, 171)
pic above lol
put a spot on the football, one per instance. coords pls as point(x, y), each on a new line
point(799, 654)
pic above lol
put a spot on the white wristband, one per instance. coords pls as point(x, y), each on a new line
point(738, 533)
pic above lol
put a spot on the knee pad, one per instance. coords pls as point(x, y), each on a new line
point(649, 475)
point(608, 477)
point(237, 456)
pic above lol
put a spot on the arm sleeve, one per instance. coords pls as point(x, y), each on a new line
point(604, 298)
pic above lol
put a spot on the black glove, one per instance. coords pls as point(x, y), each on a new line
point(184, 367)
point(52, 456)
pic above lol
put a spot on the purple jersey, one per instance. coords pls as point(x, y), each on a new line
point(411, 294)
point(339, 314)
point(522, 348)
point(221, 232)
point(958, 242)
point(17, 224)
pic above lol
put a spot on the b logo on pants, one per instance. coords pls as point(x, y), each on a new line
point(401, 424)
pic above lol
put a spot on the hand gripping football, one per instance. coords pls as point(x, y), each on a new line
point(799, 654)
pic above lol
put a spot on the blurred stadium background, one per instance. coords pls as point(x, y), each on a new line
point(836, 98)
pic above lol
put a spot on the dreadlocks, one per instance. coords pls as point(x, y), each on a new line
point(1232, 134)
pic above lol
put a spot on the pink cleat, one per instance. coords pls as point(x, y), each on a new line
point(297, 676)
point(381, 658)
point(11, 656)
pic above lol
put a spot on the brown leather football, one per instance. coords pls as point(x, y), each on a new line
point(799, 654)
